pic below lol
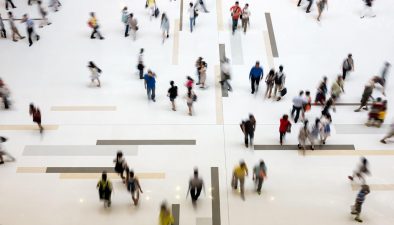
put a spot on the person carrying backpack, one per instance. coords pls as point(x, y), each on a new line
point(92, 23)
point(120, 165)
point(259, 173)
point(280, 78)
point(134, 187)
point(347, 65)
point(104, 187)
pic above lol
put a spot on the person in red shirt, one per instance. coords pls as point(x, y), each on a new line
point(235, 14)
point(284, 127)
point(36, 114)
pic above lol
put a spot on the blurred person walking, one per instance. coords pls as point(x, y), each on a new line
point(189, 82)
point(140, 65)
point(196, 185)
point(203, 74)
point(303, 135)
point(385, 70)
point(308, 9)
point(134, 187)
point(120, 165)
point(3, 33)
point(248, 127)
point(36, 115)
point(337, 87)
point(236, 12)
point(104, 186)
point(192, 16)
point(328, 104)
point(316, 131)
point(198, 66)
point(172, 94)
point(191, 97)
point(165, 216)
point(368, 12)
point(321, 92)
point(30, 28)
point(9, 2)
point(321, 4)
point(124, 18)
point(202, 4)
point(239, 174)
point(14, 29)
point(307, 106)
point(280, 79)
point(245, 17)
point(270, 80)
point(356, 208)
point(389, 134)
point(347, 66)
point(3, 152)
point(4, 94)
point(151, 5)
point(133, 25)
point(325, 121)
point(94, 73)
point(284, 127)
point(298, 103)
point(367, 94)
point(43, 12)
point(55, 4)
point(165, 27)
point(259, 174)
point(361, 170)
point(150, 85)
point(95, 27)
point(226, 74)
point(255, 75)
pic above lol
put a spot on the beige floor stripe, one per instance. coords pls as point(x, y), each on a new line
point(268, 50)
point(175, 50)
point(375, 187)
point(83, 108)
point(28, 127)
point(110, 175)
point(219, 14)
point(31, 169)
point(219, 99)
point(347, 152)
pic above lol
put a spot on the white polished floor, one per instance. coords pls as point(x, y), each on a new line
point(299, 190)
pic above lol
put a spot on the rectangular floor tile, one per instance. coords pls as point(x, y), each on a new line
point(79, 150)
point(146, 142)
point(110, 175)
point(375, 187)
point(203, 221)
point(176, 213)
point(347, 153)
point(215, 196)
point(294, 147)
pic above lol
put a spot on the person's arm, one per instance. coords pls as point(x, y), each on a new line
point(139, 186)
point(145, 84)
point(188, 189)
point(250, 73)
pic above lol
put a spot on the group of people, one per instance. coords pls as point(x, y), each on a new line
point(238, 13)
point(240, 172)
point(30, 26)
point(323, 4)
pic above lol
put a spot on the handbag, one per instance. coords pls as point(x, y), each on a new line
point(288, 129)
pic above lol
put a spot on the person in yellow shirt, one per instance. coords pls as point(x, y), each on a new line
point(239, 174)
point(94, 25)
point(165, 216)
point(151, 4)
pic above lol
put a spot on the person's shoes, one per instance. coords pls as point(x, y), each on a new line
point(252, 92)
point(23, 37)
point(37, 37)
point(41, 26)
point(230, 89)
point(308, 11)
point(92, 37)
point(299, 146)
point(126, 35)
point(313, 148)
point(2, 162)
point(109, 204)
point(298, 5)
point(168, 35)
point(259, 192)
point(197, 83)
point(246, 145)
point(324, 142)
point(365, 108)
point(14, 40)
point(383, 141)
point(154, 100)
point(101, 38)
point(350, 178)
point(30, 44)
point(362, 17)
point(357, 110)
point(358, 220)
point(49, 23)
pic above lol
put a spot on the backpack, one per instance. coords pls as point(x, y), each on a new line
point(156, 12)
point(90, 24)
point(124, 17)
point(194, 97)
point(131, 185)
point(118, 166)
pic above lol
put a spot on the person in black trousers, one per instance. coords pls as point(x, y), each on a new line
point(12, 4)
point(196, 184)
point(308, 9)
point(30, 28)
point(248, 127)
point(347, 65)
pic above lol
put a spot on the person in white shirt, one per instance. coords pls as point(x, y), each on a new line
point(245, 17)
point(192, 16)
point(226, 74)
point(298, 103)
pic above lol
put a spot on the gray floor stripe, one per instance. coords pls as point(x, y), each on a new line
point(215, 196)
point(79, 150)
point(146, 142)
point(176, 213)
point(345, 104)
point(222, 55)
point(294, 147)
point(203, 221)
point(360, 129)
point(181, 16)
point(271, 35)
point(78, 169)
point(237, 57)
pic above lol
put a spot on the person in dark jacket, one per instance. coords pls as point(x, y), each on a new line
point(172, 94)
point(248, 128)
point(321, 92)
point(347, 65)
point(36, 114)
point(104, 187)
point(255, 75)
point(367, 94)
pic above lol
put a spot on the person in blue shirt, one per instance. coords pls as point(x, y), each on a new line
point(255, 75)
point(150, 85)
point(30, 28)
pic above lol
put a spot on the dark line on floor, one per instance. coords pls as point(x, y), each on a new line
point(215, 196)
point(146, 142)
point(295, 147)
point(271, 34)
point(343, 104)
point(176, 213)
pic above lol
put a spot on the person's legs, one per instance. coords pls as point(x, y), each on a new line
point(293, 110)
point(234, 25)
point(126, 33)
point(246, 138)
point(281, 137)
point(92, 36)
point(252, 82)
point(245, 23)
point(298, 109)
point(148, 92)
point(153, 93)
point(299, 2)
point(259, 184)
point(198, 192)
point(193, 193)
point(344, 73)
point(30, 32)
point(251, 137)
point(141, 69)
point(228, 85)
point(389, 135)
point(242, 186)
point(191, 24)
point(308, 9)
